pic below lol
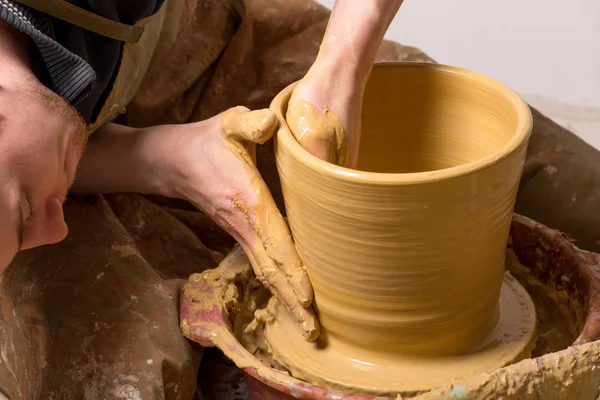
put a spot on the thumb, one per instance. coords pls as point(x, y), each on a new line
point(241, 124)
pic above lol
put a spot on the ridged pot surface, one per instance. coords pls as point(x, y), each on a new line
point(407, 253)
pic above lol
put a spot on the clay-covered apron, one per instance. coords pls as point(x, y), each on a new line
point(140, 42)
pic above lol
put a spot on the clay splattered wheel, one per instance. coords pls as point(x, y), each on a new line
point(333, 363)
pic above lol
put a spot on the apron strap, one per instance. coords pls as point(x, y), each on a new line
point(84, 19)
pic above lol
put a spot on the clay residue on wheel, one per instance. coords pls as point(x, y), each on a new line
point(556, 328)
point(217, 302)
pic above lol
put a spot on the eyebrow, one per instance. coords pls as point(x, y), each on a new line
point(20, 227)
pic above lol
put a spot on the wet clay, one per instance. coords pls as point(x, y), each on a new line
point(559, 317)
point(211, 300)
point(319, 131)
point(276, 262)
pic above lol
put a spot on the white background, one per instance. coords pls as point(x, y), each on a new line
point(547, 50)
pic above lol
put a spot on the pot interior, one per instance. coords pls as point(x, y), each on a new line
point(420, 117)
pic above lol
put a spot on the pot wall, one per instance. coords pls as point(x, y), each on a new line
point(410, 256)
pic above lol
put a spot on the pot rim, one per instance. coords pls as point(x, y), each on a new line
point(285, 138)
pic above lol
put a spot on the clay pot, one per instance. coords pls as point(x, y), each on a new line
point(407, 253)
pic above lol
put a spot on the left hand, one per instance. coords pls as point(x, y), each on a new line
point(324, 115)
point(324, 111)
point(212, 164)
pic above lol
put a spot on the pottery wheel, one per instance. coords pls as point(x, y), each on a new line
point(340, 365)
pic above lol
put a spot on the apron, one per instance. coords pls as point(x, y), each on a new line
point(140, 44)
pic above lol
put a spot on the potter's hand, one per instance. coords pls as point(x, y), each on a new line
point(325, 108)
point(212, 164)
point(325, 121)
point(218, 174)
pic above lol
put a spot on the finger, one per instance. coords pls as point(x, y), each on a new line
point(276, 237)
point(274, 234)
point(321, 134)
point(270, 275)
point(274, 244)
point(274, 280)
point(241, 125)
point(258, 126)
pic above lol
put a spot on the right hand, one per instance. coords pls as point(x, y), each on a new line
point(212, 164)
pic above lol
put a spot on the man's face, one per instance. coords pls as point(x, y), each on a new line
point(41, 141)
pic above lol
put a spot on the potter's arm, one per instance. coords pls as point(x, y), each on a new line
point(354, 33)
point(337, 78)
point(119, 159)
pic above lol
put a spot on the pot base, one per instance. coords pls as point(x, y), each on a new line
point(340, 365)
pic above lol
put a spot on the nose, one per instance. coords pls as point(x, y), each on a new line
point(47, 227)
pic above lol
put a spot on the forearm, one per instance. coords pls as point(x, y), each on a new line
point(121, 159)
point(355, 32)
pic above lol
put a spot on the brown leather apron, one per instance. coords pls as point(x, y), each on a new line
point(140, 44)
